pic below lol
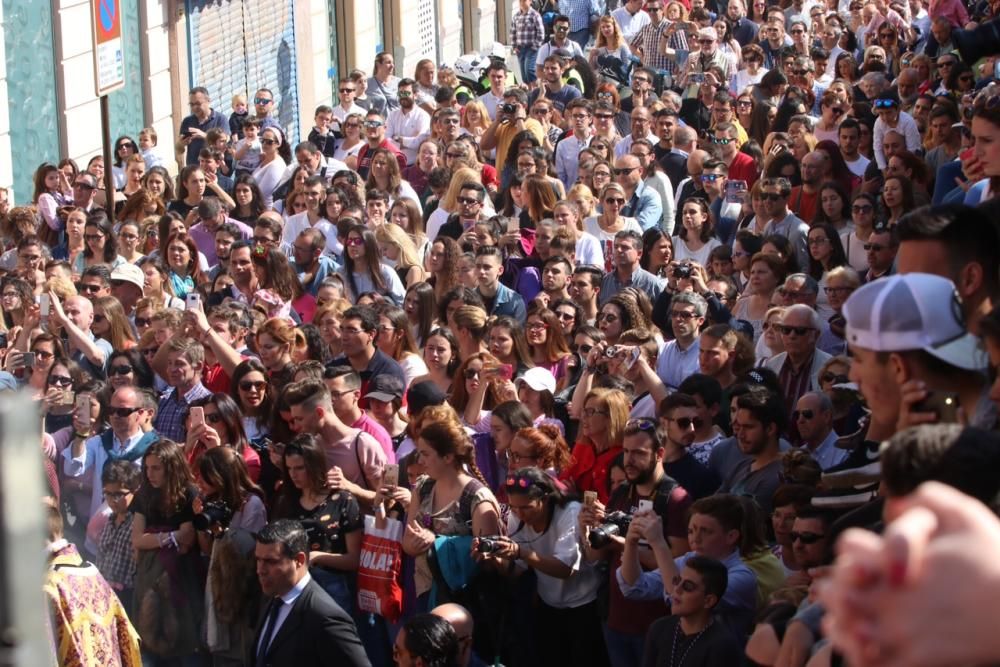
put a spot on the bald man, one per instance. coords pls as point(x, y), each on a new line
point(461, 620)
point(76, 318)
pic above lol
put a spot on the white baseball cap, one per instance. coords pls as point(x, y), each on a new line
point(539, 379)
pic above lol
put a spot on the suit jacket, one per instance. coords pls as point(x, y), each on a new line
point(315, 632)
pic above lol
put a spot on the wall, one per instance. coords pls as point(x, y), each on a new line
point(312, 32)
point(365, 39)
point(6, 163)
point(158, 87)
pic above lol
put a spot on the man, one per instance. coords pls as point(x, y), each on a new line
point(958, 243)
point(348, 90)
point(678, 413)
point(798, 366)
point(428, 639)
point(76, 593)
point(345, 390)
point(493, 98)
point(561, 40)
point(664, 124)
point(263, 106)
point(804, 199)
point(811, 535)
point(710, 56)
point(185, 360)
point(641, 202)
point(311, 265)
point(627, 272)
point(211, 215)
point(759, 420)
point(409, 124)
point(739, 165)
point(662, 187)
point(461, 620)
point(881, 249)
point(556, 91)
point(85, 189)
point(743, 29)
point(298, 607)
point(641, 120)
point(84, 348)
point(707, 394)
point(31, 254)
point(313, 217)
point(498, 299)
point(775, 192)
point(355, 458)
point(509, 124)
point(375, 138)
point(849, 138)
point(713, 183)
point(773, 43)
point(584, 289)
point(648, 43)
point(358, 329)
point(945, 128)
point(580, 16)
point(804, 76)
point(813, 417)
point(720, 348)
point(567, 157)
point(643, 94)
point(675, 163)
point(941, 29)
point(225, 236)
point(127, 283)
point(907, 84)
point(471, 198)
point(631, 18)
point(723, 112)
point(446, 125)
point(194, 127)
point(209, 160)
point(679, 357)
point(124, 441)
point(801, 288)
point(241, 269)
point(95, 282)
point(556, 273)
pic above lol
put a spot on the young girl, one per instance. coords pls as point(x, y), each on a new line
point(52, 191)
point(364, 270)
point(695, 239)
point(395, 339)
point(442, 358)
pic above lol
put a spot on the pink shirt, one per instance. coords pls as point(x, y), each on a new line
point(377, 431)
point(369, 455)
point(953, 10)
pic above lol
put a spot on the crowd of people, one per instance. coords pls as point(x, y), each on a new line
point(592, 367)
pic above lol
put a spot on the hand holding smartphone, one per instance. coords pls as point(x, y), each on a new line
point(390, 475)
point(197, 414)
point(83, 409)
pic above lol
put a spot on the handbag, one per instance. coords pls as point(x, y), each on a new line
point(379, 590)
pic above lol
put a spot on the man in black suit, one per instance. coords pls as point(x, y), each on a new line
point(301, 625)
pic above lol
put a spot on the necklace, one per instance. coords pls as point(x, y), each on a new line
point(673, 644)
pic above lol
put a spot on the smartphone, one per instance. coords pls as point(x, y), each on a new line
point(735, 191)
point(645, 506)
point(66, 397)
point(43, 305)
point(696, 77)
point(28, 359)
point(682, 57)
point(197, 416)
point(589, 498)
point(390, 475)
point(942, 403)
point(513, 225)
point(83, 409)
point(193, 301)
point(505, 372)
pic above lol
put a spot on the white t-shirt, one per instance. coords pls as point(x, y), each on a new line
point(682, 252)
point(858, 166)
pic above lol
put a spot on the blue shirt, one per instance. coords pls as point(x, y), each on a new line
point(640, 279)
point(171, 415)
point(214, 121)
point(580, 13)
point(645, 206)
point(674, 365)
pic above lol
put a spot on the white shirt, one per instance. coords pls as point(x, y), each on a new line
point(409, 127)
point(268, 177)
point(568, 158)
point(299, 223)
point(625, 145)
point(630, 24)
point(288, 599)
point(491, 102)
point(858, 166)
point(341, 114)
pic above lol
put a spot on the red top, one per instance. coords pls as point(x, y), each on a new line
point(803, 204)
point(743, 169)
point(589, 470)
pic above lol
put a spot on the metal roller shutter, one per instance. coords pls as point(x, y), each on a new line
point(238, 46)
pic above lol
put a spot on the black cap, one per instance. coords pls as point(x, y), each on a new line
point(423, 394)
point(385, 388)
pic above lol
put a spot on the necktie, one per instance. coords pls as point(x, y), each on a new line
point(272, 618)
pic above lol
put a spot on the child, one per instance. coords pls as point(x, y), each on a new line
point(239, 116)
point(322, 135)
point(147, 148)
point(216, 139)
point(115, 556)
point(891, 118)
point(691, 630)
point(248, 148)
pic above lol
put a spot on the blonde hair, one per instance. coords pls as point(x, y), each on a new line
point(398, 237)
point(484, 116)
point(149, 132)
point(617, 404)
point(617, 37)
point(459, 178)
point(581, 191)
point(63, 287)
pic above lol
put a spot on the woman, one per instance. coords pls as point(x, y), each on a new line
point(449, 502)
point(405, 213)
point(468, 322)
point(429, 158)
point(862, 221)
point(252, 393)
point(16, 295)
point(695, 240)
point(128, 368)
point(125, 149)
point(770, 342)
point(745, 246)
point(542, 447)
point(272, 166)
point(751, 74)
point(249, 200)
point(222, 427)
point(74, 246)
point(276, 339)
point(277, 276)
point(442, 265)
point(834, 208)
point(167, 582)
point(788, 499)
point(101, 244)
point(159, 183)
point(826, 253)
point(134, 168)
point(506, 420)
point(508, 344)
point(618, 315)
point(442, 358)
point(727, 45)
point(111, 323)
point(182, 261)
point(475, 119)
point(610, 124)
point(328, 318)
point(150, 234)
point(549, 349)
point(766, 273)
point(420, 307)
point(840, 284)
point(395, 340)
point(129, 246)
point(832, 111)
point(385, 406)
point(350, 145)
point(605, 226)
point(986, 132)
point(476, 392)
point(190, 192)
point(745, 107)
point(49, 353)
point(384, 175)
point(779, 246)
point(139, 206)
point(610, 42)
point(232, 590)
point(897, 199)
point(157, 285)
point(602, 429)
point(398, 250)
point(961, 80)
point(364, 270)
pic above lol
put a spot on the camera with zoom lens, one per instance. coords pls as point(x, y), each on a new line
point(214, 512)
point(682, 271)
point(615, 525)
point(489, 545)
point(508, 108)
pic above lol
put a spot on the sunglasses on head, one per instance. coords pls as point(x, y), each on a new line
point(725, 141)
point(884, 104)
point(640, 424)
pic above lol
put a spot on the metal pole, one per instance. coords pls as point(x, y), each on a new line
point(109, 178)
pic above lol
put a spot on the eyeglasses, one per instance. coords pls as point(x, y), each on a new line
point(711, 178)
point(122, 412)
point(744, 103)
point(616, 201)
point(683, 314)
point(370, 124)
point(537, 326)
point(10, 295)
point(837, 290)
point(805, 414)
point(348, 331)
point(248, 385)
point(590, 412)
point(60, 380)
point(861, 208)
point(685, 585)
point(344, 91)
point(467, 201)
point(262, 100)
point(624, 170)
point(120, 370)
point(806, 537)
point(798, 331)
point(604, 116)
point(687, 422)
point(93, 237)
point(562, 28)
point(269, 142)
point(875, 247)
point(800, 72)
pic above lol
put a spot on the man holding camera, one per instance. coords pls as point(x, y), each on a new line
point(647, 488)
point(512, 119)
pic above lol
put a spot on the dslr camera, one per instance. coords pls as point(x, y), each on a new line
point(682, 271)
point(488, 545)
point(508, 108)
point(615, 525)
point(214, 512)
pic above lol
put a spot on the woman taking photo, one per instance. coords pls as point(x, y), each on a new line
point(602, 429)
point(111, 323)
point(766, 273)
point(333, 516)
point(399, 252)
point(252, 392)
point(249, 201)
point(507, 342)
point(364, 270)
point(395, 339)
point(475, 392)
point(695, 239)
point(854, 240)
point(272, 166)
point(222, 427)
point(101, 244)
point(549, 349)
point(182, 261)
point(276, 339)
point(157, 284)
point(442, 358)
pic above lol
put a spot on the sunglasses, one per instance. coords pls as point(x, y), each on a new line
point(90, 289)
point(624, 170)
point(122, 412)
point(861, 208)
point(771, 196)
point(710, 178)
point(687, 422)
point(269, 142)
point(875, 247)
point(798, 331)
point(725, 141)
point(838, 111)
point(247, 385)
point(60, 380)
point(119, 370)
point(371, 124)
point(565, 317)
point(468, 201)
point(262, 100)
point(800, 72)
point(614, 200)
point(355, 241)
point(213, 417)
point(806, 537)
point(344, 91)
point(837, 290)
point(884, 104)
point(805, 414)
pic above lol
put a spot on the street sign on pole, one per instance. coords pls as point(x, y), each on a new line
point(109, 47)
